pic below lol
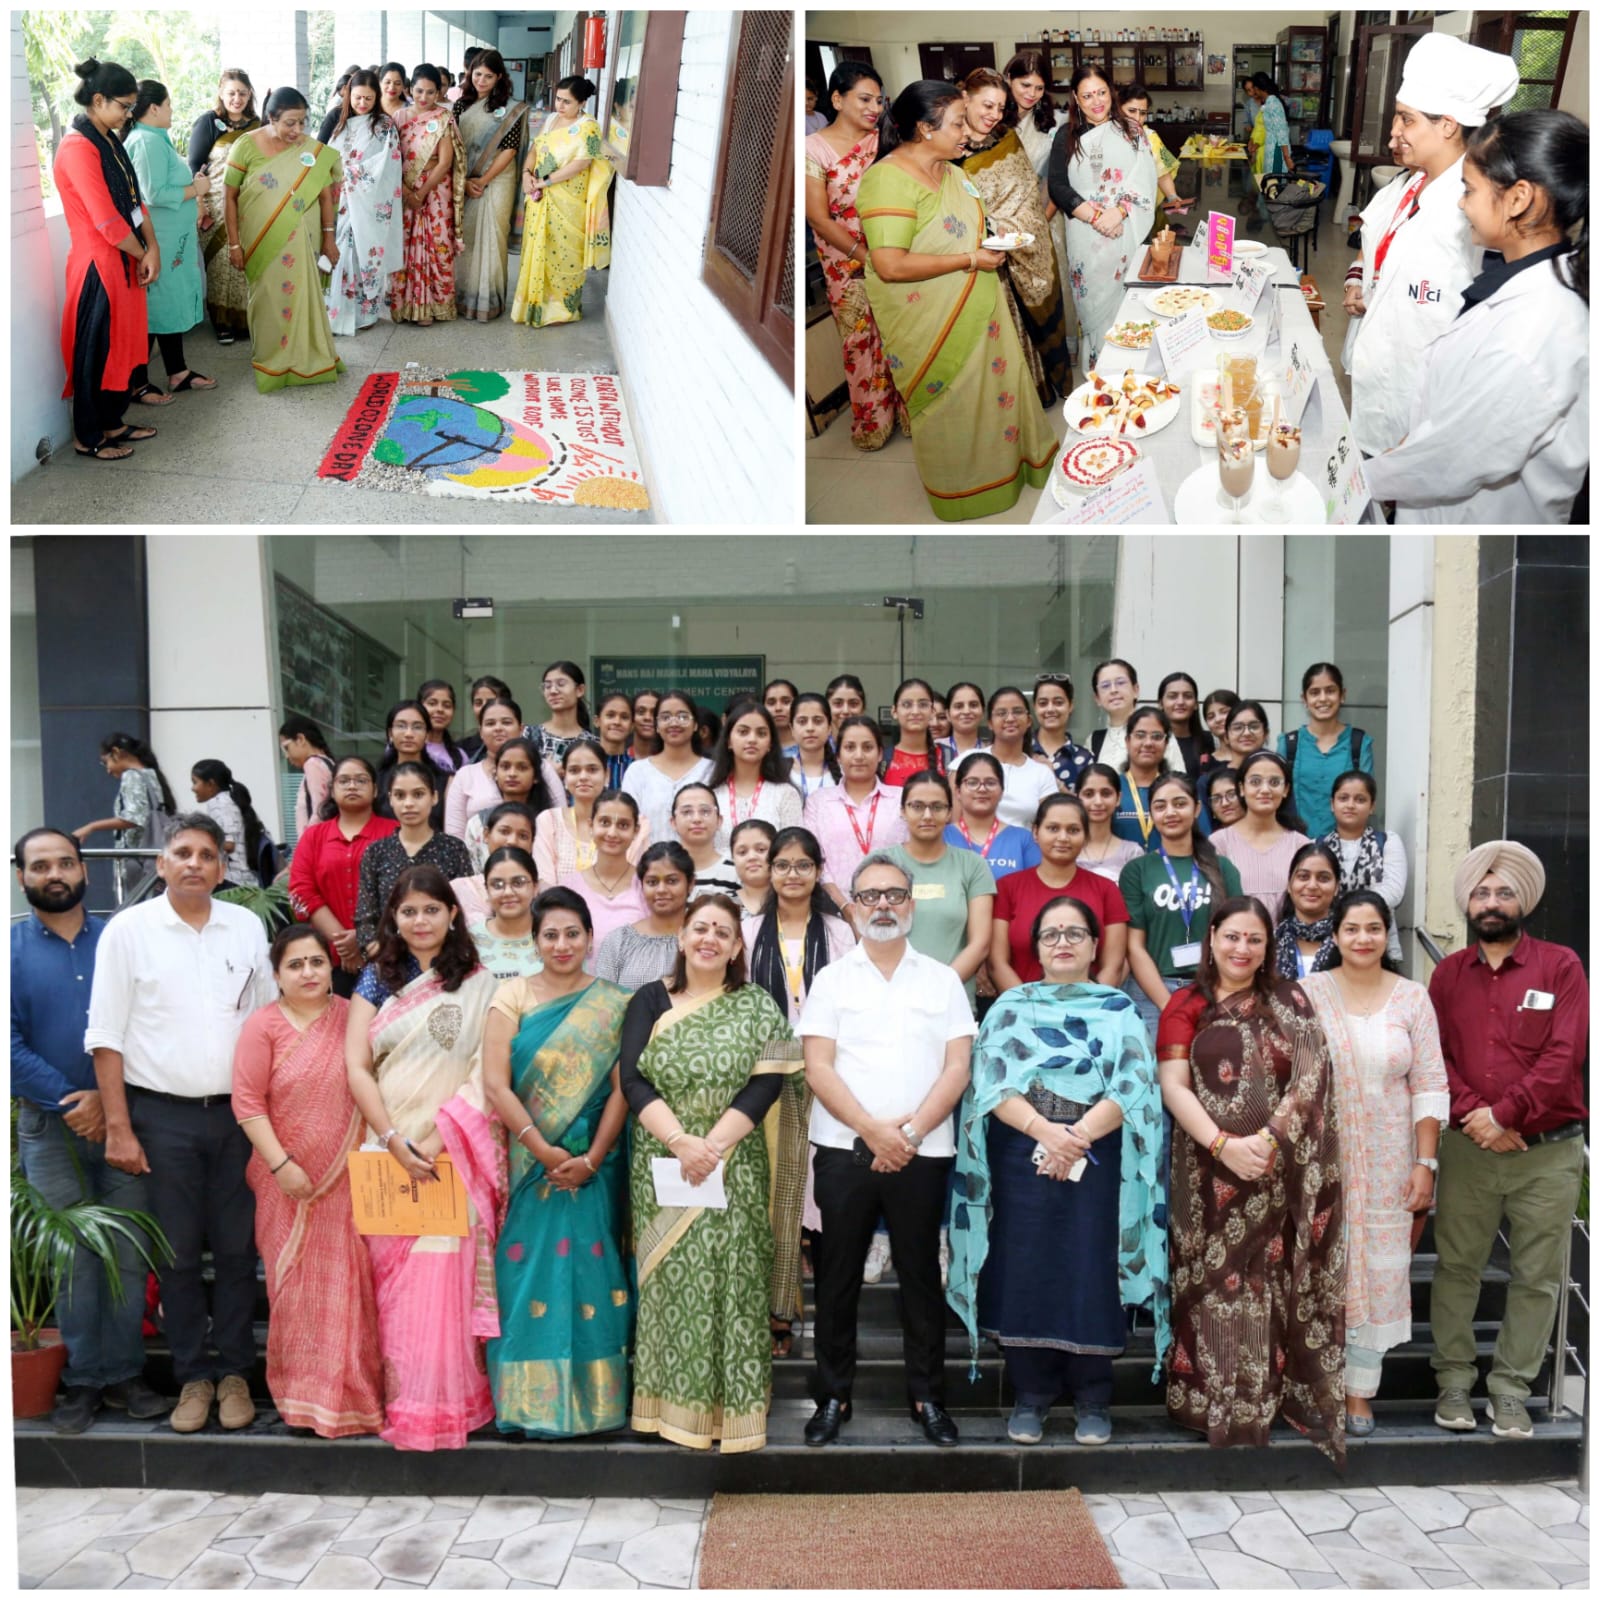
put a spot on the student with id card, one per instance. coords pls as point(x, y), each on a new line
point(1513, 1023)
point(1169, 893)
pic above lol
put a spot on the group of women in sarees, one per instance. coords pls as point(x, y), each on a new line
point(572, 1268)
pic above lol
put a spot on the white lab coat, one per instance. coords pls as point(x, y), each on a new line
point(1499, 432)
point(1431, 260)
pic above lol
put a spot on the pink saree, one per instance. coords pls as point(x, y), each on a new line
point(322, 1340)
point(436, 1296)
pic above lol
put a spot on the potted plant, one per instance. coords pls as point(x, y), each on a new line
point(45, 1241)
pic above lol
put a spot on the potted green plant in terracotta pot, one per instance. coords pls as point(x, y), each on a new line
point(45, 1241)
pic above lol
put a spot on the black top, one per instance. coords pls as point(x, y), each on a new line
point(325, 132)
point(1499, 272)
point(382, 808)
point(1067, 198)
point(755, 1100)
point(381, 865)
point(207, 126)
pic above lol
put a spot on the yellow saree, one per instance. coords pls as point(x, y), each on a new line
point(568, 230)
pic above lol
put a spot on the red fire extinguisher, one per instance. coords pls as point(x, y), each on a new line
point(594, 43)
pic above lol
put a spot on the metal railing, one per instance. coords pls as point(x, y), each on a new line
point(129, 883)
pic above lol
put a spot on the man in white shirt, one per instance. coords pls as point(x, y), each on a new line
point(888, 1047)
point(174, 981)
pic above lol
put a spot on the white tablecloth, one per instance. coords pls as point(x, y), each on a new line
point(1173, 451)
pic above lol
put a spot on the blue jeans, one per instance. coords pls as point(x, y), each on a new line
point(104, 1340)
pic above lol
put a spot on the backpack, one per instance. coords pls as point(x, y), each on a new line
point(1357, 743)
point(266, 860)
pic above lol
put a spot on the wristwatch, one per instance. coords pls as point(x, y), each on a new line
point(912, 1137)
point(1430, 1162)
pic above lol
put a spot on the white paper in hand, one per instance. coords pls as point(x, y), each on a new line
point(673, 1189)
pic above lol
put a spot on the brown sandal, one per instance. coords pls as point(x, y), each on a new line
point(782, 1337)
point(105, 451)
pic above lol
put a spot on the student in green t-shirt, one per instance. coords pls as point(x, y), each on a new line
point(953, 889)
point(1183, 873)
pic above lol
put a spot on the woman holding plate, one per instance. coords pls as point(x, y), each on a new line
point(979, 434)
point(998, 165)
point(1102, 156)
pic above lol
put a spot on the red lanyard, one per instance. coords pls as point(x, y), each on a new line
point(983, 849)
point(872, 823)
point(733, 800)
point(1407, 208)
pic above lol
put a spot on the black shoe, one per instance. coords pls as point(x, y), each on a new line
point(75, 1410)
point(935, 1422)
point(138, 1399)
point(823, 1428)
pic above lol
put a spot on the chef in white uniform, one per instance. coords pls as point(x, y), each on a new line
point(1499, 431)
point(1417, 254)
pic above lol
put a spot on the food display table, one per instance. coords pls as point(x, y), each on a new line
point(1195, 148)
point(1173, 452)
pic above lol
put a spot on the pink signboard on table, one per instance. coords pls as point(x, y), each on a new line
point(1219, 244)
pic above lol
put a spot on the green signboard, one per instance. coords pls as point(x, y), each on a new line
point(712, 680)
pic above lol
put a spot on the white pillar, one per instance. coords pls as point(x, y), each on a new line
point(1165, 584)
point(1410, 698)
point(211, 662)
point(358, 39)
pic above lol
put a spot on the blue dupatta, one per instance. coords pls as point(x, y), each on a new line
point(1083, 1042)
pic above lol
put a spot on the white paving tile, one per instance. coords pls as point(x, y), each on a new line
point(108, 1497)
point(679, 1505)
point(414, 1554)
point(1501, 1569)
point(1157, 1542)
point(385, 1514)
point(662, 1555)
point(541, 1554)
point(1565, 1574)
point(292, 1552)
point(612, 1520)
point(1501, 1528)
point(165, 1552)
point(1447, 1580)
point(583, 1573)
point(1316, 1510)
point(216, 1569)
point(162, 1508)
point(1199, 1514)
point(1136, 1577)
point(1573, 1533)
point(61, 1505)
point(499, 1516)
point(273, 1512)
point(342, 1572)
point(1543, 1504)
point(1271, 1536)
point(1106, 1510)
point(1363, 1569)
point(270, 1583)
point(463, 1572)
point(140, 1581)
point(41, 1550)
point(89, 1569)
point(1317, 1580)
point(1229, 1570)
point(1391, 1533)
point(1431, 1509)
point(1211, 1541)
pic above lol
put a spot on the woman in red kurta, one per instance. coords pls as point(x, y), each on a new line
point(104, 326)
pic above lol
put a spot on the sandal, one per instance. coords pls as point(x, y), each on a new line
point(193, 380)
point(226, 335)
point(127, 435)
point(143, 396)
point(782, 1337)
point(104, 451)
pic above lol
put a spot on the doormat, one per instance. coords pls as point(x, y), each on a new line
point(1021, 1539)
point(549, 438)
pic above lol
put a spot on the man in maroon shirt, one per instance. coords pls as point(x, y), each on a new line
point(1513, 1021)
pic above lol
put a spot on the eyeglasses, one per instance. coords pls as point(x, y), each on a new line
point(1158, 737)
point(793, 869)
point(1115, 683)
point(1010, 714)
point(500, 885)
point(1257, 781)
point(980, 783)
point(915, 705)
point(926, 808)
point(695, 813)
point(887, 897)
point(1053, 677)
point(1246, 727)
point(127, 105)
point(1072, 937)
point(352, 780)
point(1484, 893)
point(669, 718)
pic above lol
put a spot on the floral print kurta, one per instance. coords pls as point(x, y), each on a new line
point(370, 226)
point(875, 403)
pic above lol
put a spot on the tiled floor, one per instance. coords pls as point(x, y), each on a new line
point(845, 485)
point(141, 1539)
point(1479, 1536)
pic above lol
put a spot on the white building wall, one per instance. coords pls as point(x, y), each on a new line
point(403, 38)
point(272, 46)
point(1406, 786)
point(359, 38)
point(212, 666)
point(682, 356)
point(37, 282)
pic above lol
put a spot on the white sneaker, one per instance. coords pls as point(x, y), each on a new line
point(944, 1258)
point(877, 1259)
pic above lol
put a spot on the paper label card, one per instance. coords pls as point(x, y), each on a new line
point(1299, 382)
point(389, 1202)
point(1344, 484)
point(1133, 496)
point(1179, 340)
point(1250, 277)
point(1219, 242)
point(673, 1189)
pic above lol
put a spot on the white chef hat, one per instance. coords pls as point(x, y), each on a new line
point(1447, 77)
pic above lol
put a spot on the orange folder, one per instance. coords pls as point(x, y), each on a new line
point(387, 1200)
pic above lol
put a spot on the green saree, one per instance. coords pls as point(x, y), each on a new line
point(976, 423)
point(280, 230)
point(560, 1366)
point(702, 1365)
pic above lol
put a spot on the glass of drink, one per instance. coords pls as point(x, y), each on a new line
point(1231, 423)
point(1236, 458)
point(1283, 457)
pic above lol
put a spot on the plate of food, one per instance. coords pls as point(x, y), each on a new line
point(1138, 405)
point(1229, 324)
point(1089, 465)
point(1131, 335)
point(1175, 301)
point(1008, 241)
point(1249, 247)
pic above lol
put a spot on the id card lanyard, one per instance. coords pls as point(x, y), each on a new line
point(1188, 894)
point(1147, 825)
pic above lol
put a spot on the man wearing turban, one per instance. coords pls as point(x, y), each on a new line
point(1513, 1022)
